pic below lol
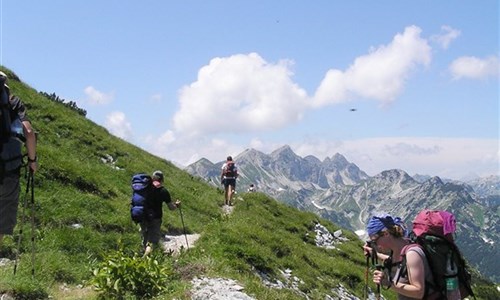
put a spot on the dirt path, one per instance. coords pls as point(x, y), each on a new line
point(174, 243)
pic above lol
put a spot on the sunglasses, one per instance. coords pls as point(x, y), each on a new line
point(374, 238)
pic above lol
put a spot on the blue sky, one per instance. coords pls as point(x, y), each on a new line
point(192, 79)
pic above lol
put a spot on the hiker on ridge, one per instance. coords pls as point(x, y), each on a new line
point(228, 179)
point(389, 234)
point(150, 227)
point(15, 127)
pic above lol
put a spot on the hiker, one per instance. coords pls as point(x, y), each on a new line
point(228, 179)
point(390, 235)
point(16, 128)
point(150, 226)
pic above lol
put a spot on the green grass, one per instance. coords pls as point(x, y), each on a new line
point(74, 186)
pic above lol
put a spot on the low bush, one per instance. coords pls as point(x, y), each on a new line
point(120, 275)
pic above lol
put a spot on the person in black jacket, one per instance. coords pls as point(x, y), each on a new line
point(15, 127)
point(150, 226)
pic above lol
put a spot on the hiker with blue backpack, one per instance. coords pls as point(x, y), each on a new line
point(425, 264)
point(228, 179)
point(147, 207)
point(15, 129)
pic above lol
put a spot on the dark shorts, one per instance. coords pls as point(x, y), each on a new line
point(151, 231)
point(9, 201)
point(229, 182)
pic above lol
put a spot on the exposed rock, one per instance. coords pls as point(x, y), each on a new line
point(175, 243)
point(217, 289)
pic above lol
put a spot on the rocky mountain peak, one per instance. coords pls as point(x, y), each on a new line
point(339, 160)
point(395, 175)
point(436, 181)
point(203, 161)
point(250, 155)
point(284, 153)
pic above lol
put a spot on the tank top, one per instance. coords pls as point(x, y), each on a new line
point(404, 275)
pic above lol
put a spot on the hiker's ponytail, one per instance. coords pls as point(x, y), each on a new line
point(398, 230)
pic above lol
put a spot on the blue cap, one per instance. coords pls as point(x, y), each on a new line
point(380, 222)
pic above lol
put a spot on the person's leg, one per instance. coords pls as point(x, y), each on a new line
point(227, 188)
point(230, 195)
point(144, 234)
point(232, 184)
point(154, 229)
point(9, 201)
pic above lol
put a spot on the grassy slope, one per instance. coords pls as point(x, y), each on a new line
point(74, 186)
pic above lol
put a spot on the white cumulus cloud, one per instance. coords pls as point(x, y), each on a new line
point(380, 74)
point(96, 97)
point(117, 124)
point(448, 34)
point(240, 93)
point(475, 68)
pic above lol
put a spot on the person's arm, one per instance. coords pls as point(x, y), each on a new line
point(174, 205)
point(19, 108)
point(222, 173)
point(168, 200)
point(416, 276)
point(30, 136)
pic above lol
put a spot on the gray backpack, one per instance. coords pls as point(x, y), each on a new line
point(11, 134)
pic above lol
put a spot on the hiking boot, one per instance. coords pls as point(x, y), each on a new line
point(147, 251)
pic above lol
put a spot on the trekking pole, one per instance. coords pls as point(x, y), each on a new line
point(367, 270)
point(21, 225)
point(377, 267)
point(184, 227)
point(31, 177)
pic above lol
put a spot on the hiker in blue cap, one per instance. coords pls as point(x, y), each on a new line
point(389, 235)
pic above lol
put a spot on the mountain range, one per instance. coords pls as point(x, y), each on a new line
point(75, 239)
point(340, 191)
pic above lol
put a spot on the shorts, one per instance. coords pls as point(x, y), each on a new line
point(229, 182)
point(151, 231)
point(9, 201)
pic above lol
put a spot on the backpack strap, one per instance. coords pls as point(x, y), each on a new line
point(430, 291)
point(402, 268)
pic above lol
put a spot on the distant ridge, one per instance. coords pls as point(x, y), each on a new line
point(339, 191)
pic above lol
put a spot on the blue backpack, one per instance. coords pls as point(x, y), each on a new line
point(141, 189)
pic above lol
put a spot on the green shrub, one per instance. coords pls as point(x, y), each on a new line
point(120, 275)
